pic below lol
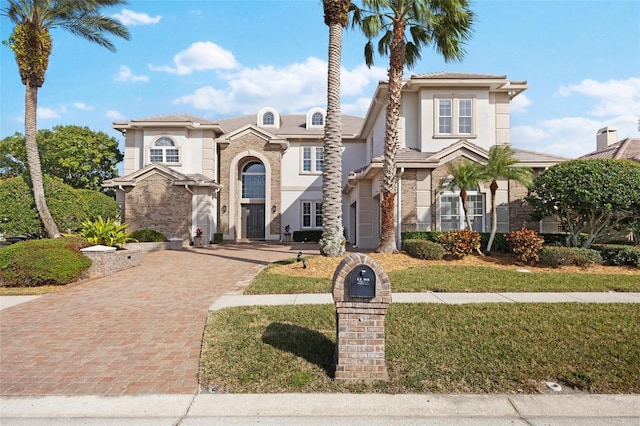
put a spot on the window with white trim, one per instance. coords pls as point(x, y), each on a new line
point(253, 181)
point(312, 159)
point(164, 150)
point(317, 119)
point(311, 214)
point(455, 116)
point(452, 214)
point(268, 119)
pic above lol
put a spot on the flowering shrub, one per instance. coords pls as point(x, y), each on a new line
point(460, 243)
point(525, 243)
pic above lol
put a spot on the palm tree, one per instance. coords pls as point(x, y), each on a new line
point(31, 43)
point(336, 16)
point(444, 23)
point(464, 175)
point(501, 165)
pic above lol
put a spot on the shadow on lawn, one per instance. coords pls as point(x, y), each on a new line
point(309, 344)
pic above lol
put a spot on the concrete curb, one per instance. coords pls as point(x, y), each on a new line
point(407, 406)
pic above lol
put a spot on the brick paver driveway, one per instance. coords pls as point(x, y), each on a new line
point(136, 332)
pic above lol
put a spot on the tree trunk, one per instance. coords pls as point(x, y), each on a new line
point(494, 214)
point(391, 145)
point(33, 158)
point(333, 241)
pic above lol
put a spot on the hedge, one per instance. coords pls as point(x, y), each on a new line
point(560, 256)
point(619, 255)
point(307, 236)
point(35, 263)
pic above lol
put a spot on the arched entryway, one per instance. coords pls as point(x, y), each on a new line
point(252, 199)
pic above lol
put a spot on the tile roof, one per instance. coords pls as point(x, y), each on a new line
point(625, 149)
point(291, 124)
point(188, 118)
point(532, 156)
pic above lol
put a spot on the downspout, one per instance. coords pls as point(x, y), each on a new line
point(194, 213)
point(399, 211)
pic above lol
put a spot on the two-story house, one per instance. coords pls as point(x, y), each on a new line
point(249, 177)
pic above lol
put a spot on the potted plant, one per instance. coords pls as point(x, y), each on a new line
point(287, 233)
point(198, 238)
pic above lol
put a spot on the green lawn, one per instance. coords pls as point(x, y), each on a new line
point(473, 279)
point(481, 348)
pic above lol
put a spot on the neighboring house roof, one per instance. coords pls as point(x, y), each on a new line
point(177, 178)
point(628, 149)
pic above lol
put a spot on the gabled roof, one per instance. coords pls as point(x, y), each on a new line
point(628, 149)
point(536, 159)
point(177, 178)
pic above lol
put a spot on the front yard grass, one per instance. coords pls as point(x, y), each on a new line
point(483, 348)
point(472, 274)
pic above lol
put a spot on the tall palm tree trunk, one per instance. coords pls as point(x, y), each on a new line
point(333, 242)
point(494, 214)
point(389, 169)
point(33, 158)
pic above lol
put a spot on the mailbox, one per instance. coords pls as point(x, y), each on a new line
point(363, 282)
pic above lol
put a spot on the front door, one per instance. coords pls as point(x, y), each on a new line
point(253, 221)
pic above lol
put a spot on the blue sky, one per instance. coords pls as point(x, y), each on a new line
point(217, 58)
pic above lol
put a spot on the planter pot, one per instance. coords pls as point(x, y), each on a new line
point(198, 241)
point(287, 238)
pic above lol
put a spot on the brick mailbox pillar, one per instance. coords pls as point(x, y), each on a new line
point(362, 294)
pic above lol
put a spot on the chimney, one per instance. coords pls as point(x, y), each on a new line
point(605, 137)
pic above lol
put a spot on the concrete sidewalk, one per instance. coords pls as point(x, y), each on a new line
point(320, 409)
point(227, 301)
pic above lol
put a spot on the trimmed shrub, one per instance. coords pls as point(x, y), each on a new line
point(525, 243)
point(560, 239)
point(148, 236)
point(43, 262)
point(217, 238)
point(423, 249)
point(307, 236)
point(460, 243)
point(421, 235)
point(619, 255)
point(560, 256)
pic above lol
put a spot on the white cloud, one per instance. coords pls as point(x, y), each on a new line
point(114, 115)
point(129, 17)
point(82, 106)
point(358, 108)
point(125, 74)
point(200, 56)
point(50, 113)
point(520, 103)
point(295, 87)
point(613, 97)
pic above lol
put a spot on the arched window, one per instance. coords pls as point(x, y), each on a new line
point(253, 181)
point(268, 119)
point(164, 150)
point(317, 119)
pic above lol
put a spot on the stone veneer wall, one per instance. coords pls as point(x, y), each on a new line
point(409, 201)
point(360, 337)
point(273, 154)
point(108, 263)
point(156, 203)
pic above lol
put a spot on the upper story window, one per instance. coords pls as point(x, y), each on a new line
point(253, 180)
point(164, 150)
point(315, 118)
point(312, 159)
point(268, 117)
point(455, 116)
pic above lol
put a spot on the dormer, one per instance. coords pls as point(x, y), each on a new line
point(268, 117)
point(315, 118)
